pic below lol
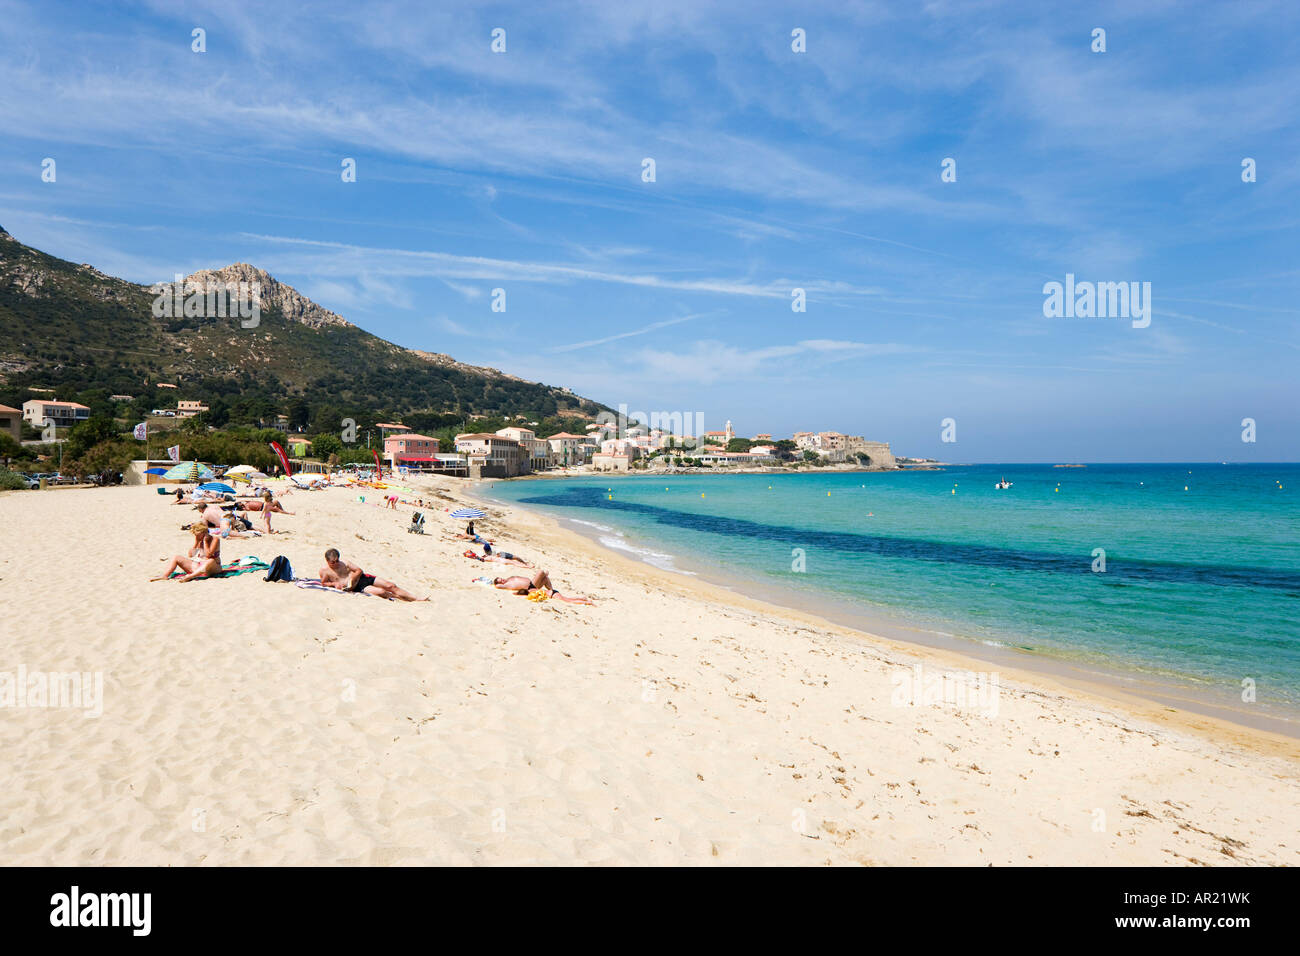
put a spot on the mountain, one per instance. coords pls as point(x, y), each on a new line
point(83, 336)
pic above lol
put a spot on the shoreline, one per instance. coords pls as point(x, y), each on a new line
point(1158, 698)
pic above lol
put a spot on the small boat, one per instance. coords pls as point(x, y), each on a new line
point(1003, 485)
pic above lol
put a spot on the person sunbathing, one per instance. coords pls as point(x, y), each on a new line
point(500, 557)
point(539, 581)
point(195, 497)
point(221, 520)
point(346, 576)
point(203, 560)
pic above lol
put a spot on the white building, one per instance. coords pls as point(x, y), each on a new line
point(625, 447)
point(540, 454)
point(63, 414)
point(566, 448)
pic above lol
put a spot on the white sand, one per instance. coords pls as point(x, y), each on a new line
point(671, 723)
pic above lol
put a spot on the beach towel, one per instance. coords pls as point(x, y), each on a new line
point(233, 569)
point(315, 585)
point(537, 596)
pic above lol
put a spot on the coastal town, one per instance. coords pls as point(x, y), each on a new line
point(518, 450)
point(605, 445)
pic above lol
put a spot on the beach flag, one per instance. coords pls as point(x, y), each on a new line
point(174, 453)
point(284, 460)
point(379, 469)
point(140, 430)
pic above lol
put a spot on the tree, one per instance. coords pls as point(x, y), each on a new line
point(109, 456)
point(325, 445)
point(739, 444)
point(83, 437)
point(9, 448)
point(218, 413)
point(299, 413)
point(327, 419)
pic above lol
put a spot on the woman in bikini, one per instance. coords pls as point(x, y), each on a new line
point(204, 559)
point(539, 581)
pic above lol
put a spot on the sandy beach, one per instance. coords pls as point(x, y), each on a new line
point(674, 722)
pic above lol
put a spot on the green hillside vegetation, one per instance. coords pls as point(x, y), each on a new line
point(84, 336)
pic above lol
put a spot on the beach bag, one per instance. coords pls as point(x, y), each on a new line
point(280, 570)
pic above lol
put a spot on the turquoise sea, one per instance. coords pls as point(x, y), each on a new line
point(1200, 588)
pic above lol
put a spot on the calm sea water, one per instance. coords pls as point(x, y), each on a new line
point(1202, 562)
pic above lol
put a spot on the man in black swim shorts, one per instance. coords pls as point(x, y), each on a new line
point(346, 576)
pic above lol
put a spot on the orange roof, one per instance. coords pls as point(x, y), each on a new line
point(565, 435)
point(409, 436)
point(473, 435)
point(62, 404)
point(6, 408)
point(388, 425)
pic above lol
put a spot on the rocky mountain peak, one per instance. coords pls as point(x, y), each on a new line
point(293, 305)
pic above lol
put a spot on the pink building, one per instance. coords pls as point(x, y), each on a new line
point(410, 447)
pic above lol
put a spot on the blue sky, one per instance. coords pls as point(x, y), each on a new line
point(774, 170)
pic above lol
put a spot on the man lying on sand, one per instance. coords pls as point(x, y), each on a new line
point(221, 520)
point(204, 559)
point(346, 576)
point(540, 581)
point(197, 497)
point(501, 557)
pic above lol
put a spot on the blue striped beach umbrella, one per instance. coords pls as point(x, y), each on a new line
point(217, 486)
point(468, 513)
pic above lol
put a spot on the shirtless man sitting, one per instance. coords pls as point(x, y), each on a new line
point(539, 581)
point(346, 576)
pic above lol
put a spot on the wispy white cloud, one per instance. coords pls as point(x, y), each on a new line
point(712, 361)
point(447, 325)
point(470, 292)
point(604, 340)
point(442, 265)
